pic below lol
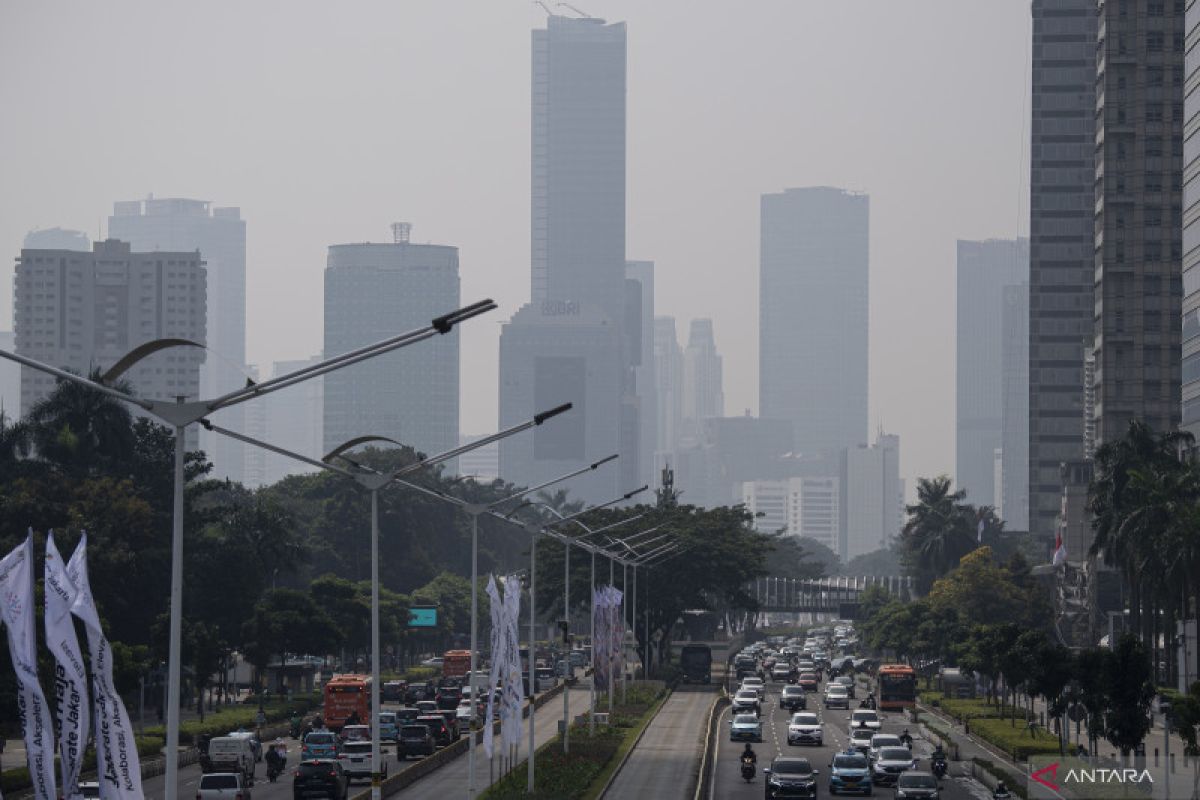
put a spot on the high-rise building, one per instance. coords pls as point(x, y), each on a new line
point(255, 418)
point(807, 507)
point(180, 224)
point(984, 269)
point(373, 292)
point(668, 384)
point(1191, 231)
point(813, 294)
point(483, 463)
point(873, 500)
point(711, 468)
point(1138, 236)
point(703, 395)
point(10, 380)
point(57, 239)
point(1012, 502)
point(577, 341)
point(1062, 197)
point(294, 420)
point(640, 326)
point(84, 311)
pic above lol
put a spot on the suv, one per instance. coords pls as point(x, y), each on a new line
point(792, 698)
point(805, 729)
point(437, 728)
point(319, 745)
point(836, 697)
point(850, 772)
point(227, 785)
point(889, 763)
point(917, 786)
point(448, 697)
point(415, 740)
point(320, 777)
point(790, 777)
point(356, 760)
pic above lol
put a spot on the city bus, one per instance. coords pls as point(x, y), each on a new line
point(456, 664)
point(344, 695)
point(897, 687)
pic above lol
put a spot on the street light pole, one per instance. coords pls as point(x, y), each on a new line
point(176, 624)
point(376, 687)
point(532, 673)
point(570, 670)
point(474, 646)
point(592, 614)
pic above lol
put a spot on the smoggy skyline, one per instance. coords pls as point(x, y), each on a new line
point(326, 123)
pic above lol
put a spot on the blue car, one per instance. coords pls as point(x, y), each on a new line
point(849, 773)
point(389, 730)
point(319, 744)
point(745, 728)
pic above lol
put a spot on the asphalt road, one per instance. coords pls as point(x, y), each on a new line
point(728, 782)
point(666, 760)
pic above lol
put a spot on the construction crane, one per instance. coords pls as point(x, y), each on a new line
point(583, 14)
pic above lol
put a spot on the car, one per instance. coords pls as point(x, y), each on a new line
point(882, 740)
point(578, 658)
point(793, 698)
point(393, 691)
point(805, 728)
point(848, 682)
point(790, 777)
point(463, 713)
point(850, 772)
point(744, 665)
point(756, 684)
point(436, 661)
point(865, 718)
point(355, 759)
point(319, 745)
point(809, 680)
point(913, 785)
point(745, 728)
point(747, 701)
point(426, 706)
point(451, 717)
point(782, 672)
point(356, 733)
point(419, 691)
point(448, 697)
point(389, 726)
point(889, 763)
point(320, 777)
point(252, 737)
point(221, 786)
point(836, 697)
point(442, 735)
point(405, 716)
point(860, 739)
point(415, 740)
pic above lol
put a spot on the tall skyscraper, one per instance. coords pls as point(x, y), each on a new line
point(1061, 230)
point(84, 311)
point(372, 292)
point(1013, 501)
point(703, 393)
point(294, 419)
point(813, 294)
point(180, 224)
point(668, 381)
point(576, 341)
point(807, 507)
point(1138, 236)
point(645, 386)
point(10, 380)
point(984, 270)
point(1191, 233)
point(873, 500)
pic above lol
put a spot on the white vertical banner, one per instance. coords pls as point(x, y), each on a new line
point(496, 610)
point(120, 769)
point(70, 675)
point(16, 606)
point(514, 690)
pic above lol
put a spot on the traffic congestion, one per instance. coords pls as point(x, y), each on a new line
point(810, 718)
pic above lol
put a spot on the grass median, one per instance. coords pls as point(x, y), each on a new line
point(585, 771)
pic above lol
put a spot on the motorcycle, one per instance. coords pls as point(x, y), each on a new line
point(276, 761)
point(939, 768)
point(747, 770)
point(907, 739)
point(1001, 793)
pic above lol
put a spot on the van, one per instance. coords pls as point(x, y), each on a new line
point(231, 754)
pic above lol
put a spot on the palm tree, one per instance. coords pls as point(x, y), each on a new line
point(80, 429)
point(939, 531)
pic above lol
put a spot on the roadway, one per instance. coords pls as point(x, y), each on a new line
point(727, 779)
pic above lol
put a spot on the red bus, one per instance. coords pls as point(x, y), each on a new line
point(344, 695)
point(456, 663)
point(897, 687)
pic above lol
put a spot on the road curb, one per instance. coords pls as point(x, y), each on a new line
point(608, 784)
point(704, 779)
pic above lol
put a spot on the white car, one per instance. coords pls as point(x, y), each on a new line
point(836, 697)
point(222, 786)
point(463, 712)
point(860, 740)
point(865, 718)
point(356, 760)
point(882, 740)
point(805, 728)
point(756, 684)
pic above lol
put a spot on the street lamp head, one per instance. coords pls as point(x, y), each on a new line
point(628, 495)
point(142, 351)
point(353, 443)
point(446, 322)
point(603, 461)
point(554, 412)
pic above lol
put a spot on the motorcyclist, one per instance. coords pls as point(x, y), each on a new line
point(1001, 791)
point(275, 760)
point(749, 755)
point(907, 738)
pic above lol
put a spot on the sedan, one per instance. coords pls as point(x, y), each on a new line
point(745, 728)
point(917, 786)
point(793, 698)
point(746, 702)
point(810, 681)
point(882, 740)
point(805, 729)
point(848, 682)
point(836, 697)
point(889, 763)
point(860, 740)
point(782, 673)
point(865, 718)
point(790, 777)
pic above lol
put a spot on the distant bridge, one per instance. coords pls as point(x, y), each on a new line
point(837, 595)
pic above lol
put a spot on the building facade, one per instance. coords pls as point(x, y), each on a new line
point(483, 463)
point(1138, 217)
point(1061, 230)
point(668, 383)
point(703, 393)
point(294, 420)
point(57, 239)
point(813, 296)
point(83, 311)
point(373, 292)
point(873, 501)
point(1191, 225)
point(807, 507)
point(180, 224)
point(639, 322)
point(984, 270)
point(1012, 502)
point(10, 380)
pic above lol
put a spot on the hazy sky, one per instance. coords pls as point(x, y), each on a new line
point(325, 122)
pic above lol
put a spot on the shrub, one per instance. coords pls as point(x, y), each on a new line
point(1016, 786)
point(1019, 742)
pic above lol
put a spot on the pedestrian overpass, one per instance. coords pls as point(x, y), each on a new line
point(837, 596)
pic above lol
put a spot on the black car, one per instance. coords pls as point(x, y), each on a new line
point(407, 716)
point(448, 697)
point(393, 691)
point(793, 698)
point(419, 691)
point(442, 735)
point(320, 777)
point(790, 777)
point(415, 740)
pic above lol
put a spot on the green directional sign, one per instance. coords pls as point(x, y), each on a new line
point(422, 617)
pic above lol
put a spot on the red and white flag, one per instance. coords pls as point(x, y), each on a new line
point(1060, 550)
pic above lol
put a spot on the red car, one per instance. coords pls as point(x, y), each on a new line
point(809, 681)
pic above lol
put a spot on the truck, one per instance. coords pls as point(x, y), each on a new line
point(696, 662)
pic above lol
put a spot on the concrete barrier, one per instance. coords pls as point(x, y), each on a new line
point(704, 781)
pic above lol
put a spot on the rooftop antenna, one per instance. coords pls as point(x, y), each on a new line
point(401, 231)
point(583, 14)
point(544, 7)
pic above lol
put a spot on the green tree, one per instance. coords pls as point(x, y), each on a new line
point(938, 533)
point(287, 620)
point(81, 430)
point(979, 591)
point(1130, 691)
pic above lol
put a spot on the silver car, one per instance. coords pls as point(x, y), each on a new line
point(745, 728)
point(889, 763)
